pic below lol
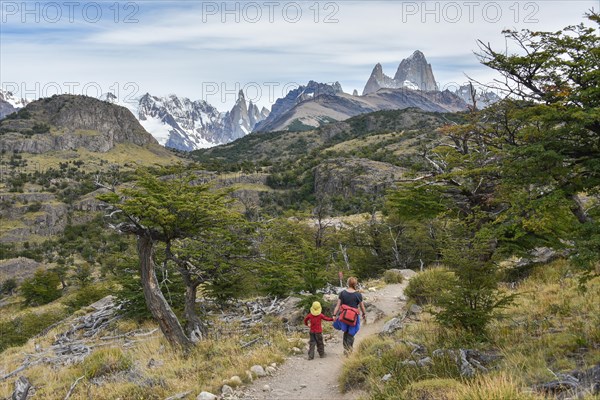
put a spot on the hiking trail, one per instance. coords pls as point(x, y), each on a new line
point(302, 379)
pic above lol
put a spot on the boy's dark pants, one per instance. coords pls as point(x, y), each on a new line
point(316, 339)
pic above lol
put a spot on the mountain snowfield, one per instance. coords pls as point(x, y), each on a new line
point(9, 103)
point(183, 124)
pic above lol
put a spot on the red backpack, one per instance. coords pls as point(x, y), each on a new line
point(349, 315)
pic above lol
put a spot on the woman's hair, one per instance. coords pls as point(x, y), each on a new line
point(352, 282)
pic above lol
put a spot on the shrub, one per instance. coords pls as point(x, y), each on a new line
point(105, 362)
point(34, 207)
point(17, 331)
point(307, 301)
point(355, 374)
point(86, 296)
point(392, 276)
point(428, 286)
point(41, 289)
point(8, 286)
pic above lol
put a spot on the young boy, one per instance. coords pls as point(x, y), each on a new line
point(316, 330)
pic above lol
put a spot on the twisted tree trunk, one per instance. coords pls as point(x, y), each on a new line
point(155, 300)
point(194, 326)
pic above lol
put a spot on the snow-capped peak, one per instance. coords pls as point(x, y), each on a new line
point(14, 101)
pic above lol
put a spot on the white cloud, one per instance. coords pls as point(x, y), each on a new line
point(173, 50)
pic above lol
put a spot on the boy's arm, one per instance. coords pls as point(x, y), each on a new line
point(326, 318)
point(306, 319)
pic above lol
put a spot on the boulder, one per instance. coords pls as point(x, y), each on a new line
point(258, 370)
point(407, 273)
point(235, 381)
point(206, 396)
point(226, 390)
point(391, 326)
point(415, 309)
point(425, 361)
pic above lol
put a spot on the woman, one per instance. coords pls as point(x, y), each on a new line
point(351, 298)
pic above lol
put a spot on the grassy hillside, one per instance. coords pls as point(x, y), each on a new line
point(301, 165)
point(552, 328)
point(267, 148)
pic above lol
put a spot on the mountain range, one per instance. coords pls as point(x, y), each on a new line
point(184, 124)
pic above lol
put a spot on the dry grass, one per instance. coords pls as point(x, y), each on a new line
point(501, 386)
point(148, 369)
point(553, 327)
point(124, 154)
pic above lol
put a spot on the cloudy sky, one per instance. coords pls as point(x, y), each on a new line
point(209, 50)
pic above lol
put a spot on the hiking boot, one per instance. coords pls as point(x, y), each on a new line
point(322, 355)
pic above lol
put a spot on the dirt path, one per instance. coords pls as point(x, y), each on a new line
point(303, 379)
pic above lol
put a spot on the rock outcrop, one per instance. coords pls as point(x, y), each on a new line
point(68, 122)
point(17, 268)
point(350, 176)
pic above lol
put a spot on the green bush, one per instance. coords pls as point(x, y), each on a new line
point(429, 286)
point(307, 301)
point(19, 330)
point(86, 296)
point(105, 362)
point(41, 289)
point(34, 207)
point(392, 276)
point(8, 286)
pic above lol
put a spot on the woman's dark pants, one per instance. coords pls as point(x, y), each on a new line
point(348, 342)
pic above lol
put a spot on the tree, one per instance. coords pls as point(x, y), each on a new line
point(41, 289)
point(83, 275)
point(475, 299)
point(511, 175)
point(8, 286)
point(170, 211)
point(290, 259)
point(552, 154)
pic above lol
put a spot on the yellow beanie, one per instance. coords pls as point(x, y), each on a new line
point(316, 308)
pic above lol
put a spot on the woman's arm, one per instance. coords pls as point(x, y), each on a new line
point(364, 311)
point(337, 307)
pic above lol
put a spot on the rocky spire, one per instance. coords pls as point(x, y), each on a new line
point(415, 71)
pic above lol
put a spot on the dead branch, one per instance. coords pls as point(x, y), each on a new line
point(70, 392)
